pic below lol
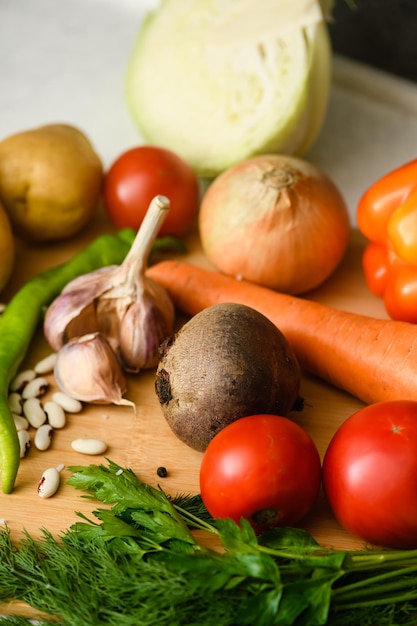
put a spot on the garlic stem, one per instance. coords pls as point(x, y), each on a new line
point(136, 259)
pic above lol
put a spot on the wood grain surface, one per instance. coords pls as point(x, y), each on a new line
point(142, 440)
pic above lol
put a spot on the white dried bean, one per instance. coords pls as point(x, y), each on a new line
point(20, 422)
point(34, 413)
point(49, 482)
point(43, 437)
point(55, 414)
point(21, 379)
point(89, 446)
point(24, 442)
point(70, 405)
point(15, 403)
point(36, 388)
point(46, 365)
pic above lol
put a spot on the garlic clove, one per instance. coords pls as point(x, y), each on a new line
point(73, 313)
point(88, 370)
point(145, 325)
point(110, 312)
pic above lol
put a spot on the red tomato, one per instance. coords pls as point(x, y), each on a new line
point(142, 173)
point(370, 474)
point(264, 468)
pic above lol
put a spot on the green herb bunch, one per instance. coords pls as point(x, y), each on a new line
point(139, 563)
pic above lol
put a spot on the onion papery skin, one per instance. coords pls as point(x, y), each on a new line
point(277, 221)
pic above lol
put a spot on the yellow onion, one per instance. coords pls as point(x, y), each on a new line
point(275, 220)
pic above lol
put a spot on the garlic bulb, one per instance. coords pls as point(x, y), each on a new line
point(129, 309)
point(88, 370)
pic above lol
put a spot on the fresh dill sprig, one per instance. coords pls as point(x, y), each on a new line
point(137, 562)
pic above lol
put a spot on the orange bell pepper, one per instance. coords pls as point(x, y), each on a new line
point(387, 216)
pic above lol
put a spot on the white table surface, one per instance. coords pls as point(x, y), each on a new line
point(65, 61)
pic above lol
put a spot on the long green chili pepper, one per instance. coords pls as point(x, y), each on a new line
point(23, 314)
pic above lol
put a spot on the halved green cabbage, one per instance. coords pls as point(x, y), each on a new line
point(219, 81)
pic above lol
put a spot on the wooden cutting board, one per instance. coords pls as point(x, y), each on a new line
point(142, 440)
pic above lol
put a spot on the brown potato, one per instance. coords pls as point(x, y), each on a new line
point(7, 249)
point(50, 181)
point(227, 362)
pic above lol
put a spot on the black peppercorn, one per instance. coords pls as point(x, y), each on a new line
point(162, 472)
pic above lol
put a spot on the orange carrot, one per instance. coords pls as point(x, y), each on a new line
point(372, 359)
